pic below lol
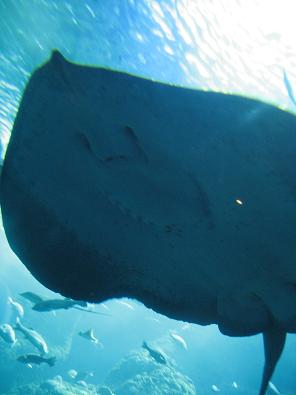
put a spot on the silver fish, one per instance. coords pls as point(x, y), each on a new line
point(179, 340)
point(7, 333)
point(17, 307)
point(33, 337)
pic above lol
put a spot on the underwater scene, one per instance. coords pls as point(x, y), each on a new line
point(148, 197)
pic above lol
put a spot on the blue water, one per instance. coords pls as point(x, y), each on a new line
point(193, 43)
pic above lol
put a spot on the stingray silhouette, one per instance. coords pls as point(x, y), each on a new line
point(114, 185)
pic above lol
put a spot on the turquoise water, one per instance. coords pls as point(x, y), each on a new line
point(196, 44)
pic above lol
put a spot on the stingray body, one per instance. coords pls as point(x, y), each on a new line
point(114, 186)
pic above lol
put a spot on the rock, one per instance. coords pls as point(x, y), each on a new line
point(138, 374)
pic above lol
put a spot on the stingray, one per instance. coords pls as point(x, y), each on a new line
point(114, 185)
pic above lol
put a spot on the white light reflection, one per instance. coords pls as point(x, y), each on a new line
point(236, 46)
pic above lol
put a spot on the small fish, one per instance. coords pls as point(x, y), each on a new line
point(89, 335)
point(289, 88)
point(33, 337)
point(7, 333)
point(74, 375)
point(29, 359)
point(155, 354)
point(235, 385)
point(273, 388)
point(215, 388)
point(18, 308)
point(32, 297)
point(179, 340)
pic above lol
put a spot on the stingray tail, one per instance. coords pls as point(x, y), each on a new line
point(274, 341)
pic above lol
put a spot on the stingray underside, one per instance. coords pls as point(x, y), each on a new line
point(114, 185)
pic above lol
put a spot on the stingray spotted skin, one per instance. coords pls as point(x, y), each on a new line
point(114, 185)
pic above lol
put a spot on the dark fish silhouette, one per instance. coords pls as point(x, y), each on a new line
point(32, 297)
point(64, 304)
point(29, 359)
point(155, 354)
point(57, 304)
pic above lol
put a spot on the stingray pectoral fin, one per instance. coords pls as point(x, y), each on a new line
point(274, 341)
